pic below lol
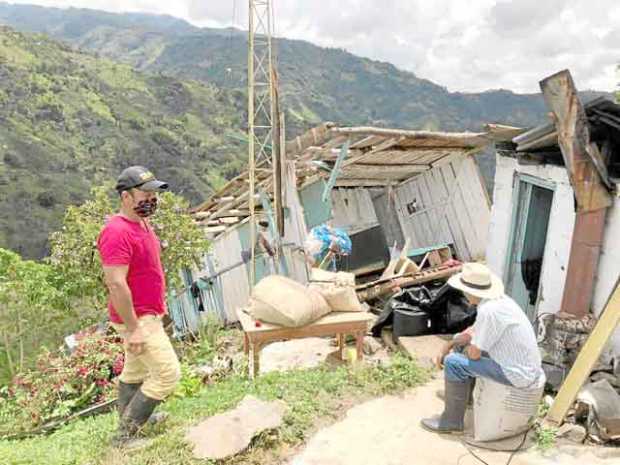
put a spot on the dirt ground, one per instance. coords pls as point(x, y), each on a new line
point(386, 431)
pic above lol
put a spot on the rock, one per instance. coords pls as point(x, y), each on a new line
point(309, 352)
point(572, 432)
point(205, 371)
point(371, 345)
point(613, 380)
point(555, 375)
point(422, 348)
point(230, 433)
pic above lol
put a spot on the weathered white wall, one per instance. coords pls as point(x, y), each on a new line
point(559, 235)
point(609, 264)
point(559, 232)
point(451, 207)
point(608, 273)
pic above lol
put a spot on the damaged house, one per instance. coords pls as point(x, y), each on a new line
point(555, 221)
point(384, 187)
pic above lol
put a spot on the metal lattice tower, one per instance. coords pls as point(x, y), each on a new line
point(260, 104)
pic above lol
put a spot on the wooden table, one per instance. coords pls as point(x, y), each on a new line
point(336, 323)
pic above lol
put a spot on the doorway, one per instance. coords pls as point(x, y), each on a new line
point(528, 237)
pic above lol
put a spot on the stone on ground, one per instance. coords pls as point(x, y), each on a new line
point(422, 348)
point(230, 433)
point(297, 353)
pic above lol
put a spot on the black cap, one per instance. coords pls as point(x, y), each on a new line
point(140, 178)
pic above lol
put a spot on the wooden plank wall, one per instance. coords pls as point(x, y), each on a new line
point(450, 206)
point(353, 210)
point(388, 218)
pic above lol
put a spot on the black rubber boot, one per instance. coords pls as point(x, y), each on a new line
point(452, 418)
point(126, 392)
point(135, 416)
point(441, 394)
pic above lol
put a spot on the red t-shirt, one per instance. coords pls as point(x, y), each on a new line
point(126, 242)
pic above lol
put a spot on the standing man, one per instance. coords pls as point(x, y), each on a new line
point(130, 254)
point(501, 346)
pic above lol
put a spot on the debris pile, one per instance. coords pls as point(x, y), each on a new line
point(595, 415)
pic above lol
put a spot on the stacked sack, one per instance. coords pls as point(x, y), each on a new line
point(338, 289)
point(282, 301)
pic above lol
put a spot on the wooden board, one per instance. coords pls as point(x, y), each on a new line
point(375, 289)
point(249, 326)
point(587, 358)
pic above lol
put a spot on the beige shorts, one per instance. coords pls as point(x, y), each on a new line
point(157, 366)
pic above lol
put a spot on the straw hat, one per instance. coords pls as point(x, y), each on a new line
point(477, 280)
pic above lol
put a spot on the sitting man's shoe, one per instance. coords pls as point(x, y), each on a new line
point(452, 418)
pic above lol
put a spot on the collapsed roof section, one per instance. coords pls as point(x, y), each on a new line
point(369, 157)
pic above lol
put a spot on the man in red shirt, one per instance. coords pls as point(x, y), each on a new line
point(130, 254)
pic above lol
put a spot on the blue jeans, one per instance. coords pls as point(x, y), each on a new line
point(458, 368)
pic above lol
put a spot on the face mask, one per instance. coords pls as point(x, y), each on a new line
point(146, 208)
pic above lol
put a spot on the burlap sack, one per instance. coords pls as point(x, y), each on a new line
point(337, 288)
point(339, 298)
point(341, 278)
point(282, 301)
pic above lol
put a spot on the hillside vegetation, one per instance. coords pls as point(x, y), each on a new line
point(70, 120)
point(174, 97)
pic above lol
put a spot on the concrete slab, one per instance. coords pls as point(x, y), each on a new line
point(230, 433)
point(387, 431)
point(423, 348)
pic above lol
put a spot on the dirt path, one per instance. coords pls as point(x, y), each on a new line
point(386, 431)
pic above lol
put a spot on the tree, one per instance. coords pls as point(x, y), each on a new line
point(74, 248)
point(29, 309)
point(42, 302)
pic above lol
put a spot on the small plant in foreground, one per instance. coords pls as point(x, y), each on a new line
point(62, 384)
point(545, 436)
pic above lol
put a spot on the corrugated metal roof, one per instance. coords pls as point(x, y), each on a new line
point(599, 111)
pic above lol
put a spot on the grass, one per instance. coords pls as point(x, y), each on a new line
point(310, 395)
point(545, 437)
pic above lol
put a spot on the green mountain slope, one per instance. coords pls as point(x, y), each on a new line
point(317, 84)
point(69, 120)
point(70, 117)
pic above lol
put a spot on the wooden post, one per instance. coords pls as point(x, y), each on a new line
point(592, 196)
point(587, 358)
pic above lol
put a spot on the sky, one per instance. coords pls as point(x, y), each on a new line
point(464, 45)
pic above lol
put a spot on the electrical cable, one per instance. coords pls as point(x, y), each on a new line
point(512, 452)
point(472, 453)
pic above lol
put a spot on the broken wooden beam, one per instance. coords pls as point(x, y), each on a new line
point(593, 198)
point(587, 358)
point(382, 287)
point(573, 132)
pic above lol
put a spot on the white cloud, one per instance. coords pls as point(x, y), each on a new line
point(470, 45)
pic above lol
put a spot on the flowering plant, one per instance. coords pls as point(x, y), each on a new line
point(62, 383)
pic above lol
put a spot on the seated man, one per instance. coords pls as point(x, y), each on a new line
point(501, 346)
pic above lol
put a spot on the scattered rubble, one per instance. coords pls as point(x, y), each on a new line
point(371, 345)
point(572, 432)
